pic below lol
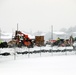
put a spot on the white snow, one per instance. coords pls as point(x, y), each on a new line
point(59, 33)
point(53, 65)
point(47, 47)
point(29, 35)
point(36, 64)
point(6, 35)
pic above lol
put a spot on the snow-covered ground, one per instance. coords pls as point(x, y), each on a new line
point(53, 65)
point(12, 51)
point(60, 63)
point(47, 47)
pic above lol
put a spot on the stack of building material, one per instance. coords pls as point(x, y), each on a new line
point(39, 40)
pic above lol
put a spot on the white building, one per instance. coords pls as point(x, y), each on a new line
point(6, 36)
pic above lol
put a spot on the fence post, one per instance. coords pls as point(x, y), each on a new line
point(52, 38)
point(40, 50)
point(28, 53)
point(14, 52)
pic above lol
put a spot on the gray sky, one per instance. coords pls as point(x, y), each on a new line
point(34, 15)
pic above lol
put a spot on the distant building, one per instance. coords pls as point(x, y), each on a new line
point(61, 35)
point(6, 36)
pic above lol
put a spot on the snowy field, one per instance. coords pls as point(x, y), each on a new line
point(53, 65)
point(60, 63)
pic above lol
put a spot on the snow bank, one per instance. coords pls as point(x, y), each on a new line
point(36, 48)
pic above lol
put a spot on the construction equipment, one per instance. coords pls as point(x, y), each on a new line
point(23, 39)
point(20, 39)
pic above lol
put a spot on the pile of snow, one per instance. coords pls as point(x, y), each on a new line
point(54, 65)
point(36, 48)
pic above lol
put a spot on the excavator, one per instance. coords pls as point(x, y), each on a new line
point(20, 39)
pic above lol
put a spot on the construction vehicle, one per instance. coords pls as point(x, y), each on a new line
point(20, 39)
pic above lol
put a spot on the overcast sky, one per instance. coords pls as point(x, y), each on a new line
point(34, 15)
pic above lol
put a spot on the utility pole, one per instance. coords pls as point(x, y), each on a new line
point(15, 46)
point(0, 37)
point(17, 26)
point(0, 33)
point(52, 37)
point(51, 32)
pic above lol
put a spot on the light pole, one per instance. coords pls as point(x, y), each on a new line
point(0, 33)
point(52, 38)
point(52, 35)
